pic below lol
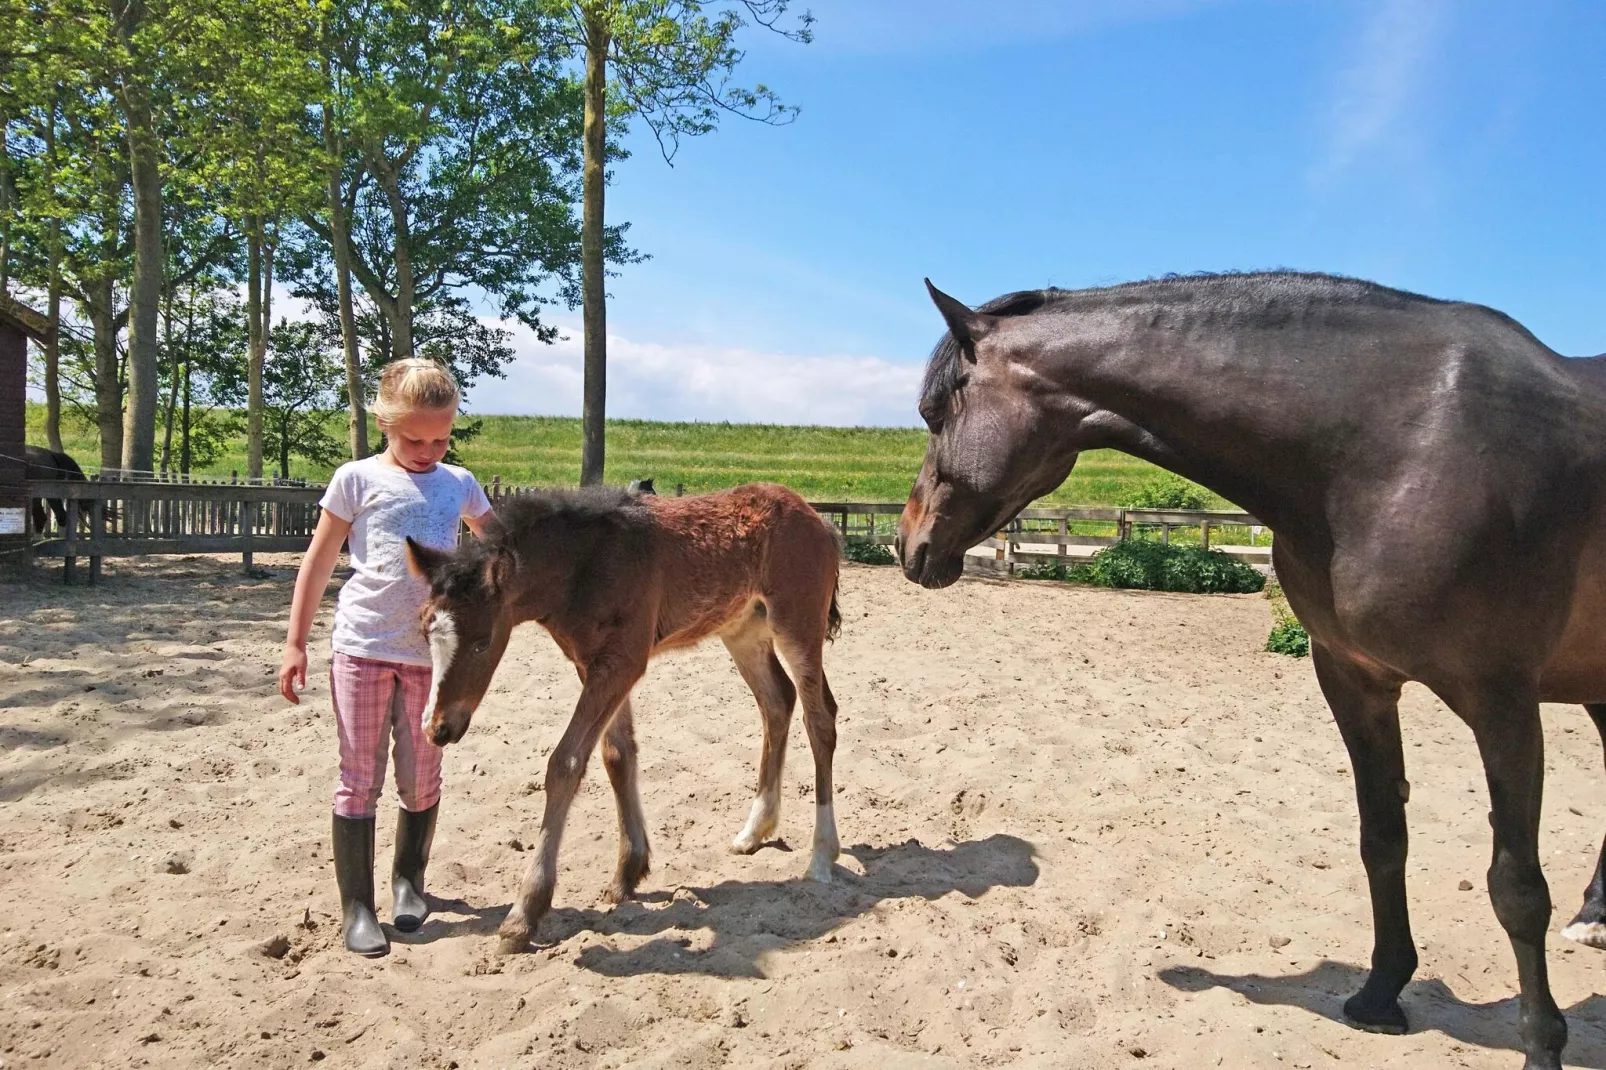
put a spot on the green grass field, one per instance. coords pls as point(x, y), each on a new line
point(821, 463)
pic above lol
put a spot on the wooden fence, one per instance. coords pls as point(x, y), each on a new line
point(116, 519)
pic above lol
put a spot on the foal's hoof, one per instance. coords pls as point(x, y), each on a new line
point(745, 844)
point(820, 870)
point(1375, 1017)
point(513, 938)
point(1588, 933)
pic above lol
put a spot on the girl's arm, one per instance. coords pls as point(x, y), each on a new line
point(311, 581)
point(476, 524)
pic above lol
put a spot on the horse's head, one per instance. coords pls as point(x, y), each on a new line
point(468, 620)
point(995, 444)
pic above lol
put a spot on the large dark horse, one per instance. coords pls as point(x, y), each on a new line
point(42, 463)
point(618, 577)
point(1436, 480)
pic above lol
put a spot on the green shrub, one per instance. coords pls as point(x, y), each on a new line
point(1155, 566)
point(1167, 491)
point(1288, 636)
point(1056, 570)
point(867, 553)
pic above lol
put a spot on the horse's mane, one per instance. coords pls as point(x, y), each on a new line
point(1239, 293)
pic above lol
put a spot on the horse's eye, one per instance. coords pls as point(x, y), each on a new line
point(482, 646)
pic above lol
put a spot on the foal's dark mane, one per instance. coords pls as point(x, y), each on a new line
point(1243, 296)
point(519, 516)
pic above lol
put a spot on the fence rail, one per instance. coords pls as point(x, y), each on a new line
point(115, 519)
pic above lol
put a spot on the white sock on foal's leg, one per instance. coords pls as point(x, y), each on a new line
point(826, 847)
point(762, 821)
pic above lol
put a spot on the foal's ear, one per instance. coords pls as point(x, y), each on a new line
point(499, 568)
point(968, 327)
point(424, 562)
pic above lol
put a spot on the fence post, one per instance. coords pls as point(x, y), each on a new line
point(247, 523)
point(680, 490)
point(70, 562)
point(1204, 535)
point(1165, 534)
point(496, 489)
point(1062, 529)
point(97, 530)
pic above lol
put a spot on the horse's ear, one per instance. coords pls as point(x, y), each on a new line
point(967, 326)
point(424, 562)
point(499, 569)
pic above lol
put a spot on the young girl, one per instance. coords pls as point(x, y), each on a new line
point(380, 675)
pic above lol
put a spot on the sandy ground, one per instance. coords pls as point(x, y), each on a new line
point(1084, 829)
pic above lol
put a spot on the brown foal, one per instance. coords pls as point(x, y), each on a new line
point(617, 578)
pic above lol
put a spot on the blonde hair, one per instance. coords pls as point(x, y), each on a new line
point(414, 383)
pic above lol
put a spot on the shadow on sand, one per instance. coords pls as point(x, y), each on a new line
point(1429, 1005)
point(750, 918)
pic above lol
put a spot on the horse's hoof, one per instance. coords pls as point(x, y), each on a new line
point(1374, 1017)
point(1588, 933)
point(513, 938)
point(745, 844)
point(820, 870)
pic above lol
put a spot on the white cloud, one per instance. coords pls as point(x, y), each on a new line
point(1374, 102)
point(681, 381)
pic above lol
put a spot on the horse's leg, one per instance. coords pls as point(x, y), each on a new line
point(1589, 927)
point(1504, 716)
point(1367, 712)
point(607, 684)
point(819, 718)
point(619, 758)
point(753, 651)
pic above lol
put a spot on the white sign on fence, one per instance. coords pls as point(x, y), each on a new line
point(13, 522)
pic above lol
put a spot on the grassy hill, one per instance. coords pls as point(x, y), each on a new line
point(821, 463)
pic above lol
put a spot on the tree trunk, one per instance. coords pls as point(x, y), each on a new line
point(258, 349)
point(108, 381)
point(53, 306)
point(145, 294)
point(338, 238)
point(184, 447)
point(593, 297)
point(172, 385)
point(53, 344)
point(400, 311)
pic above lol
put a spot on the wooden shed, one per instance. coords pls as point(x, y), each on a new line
point(18, 323)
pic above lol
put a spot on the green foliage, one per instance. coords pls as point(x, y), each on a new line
point(1167, 491)
point(1154, 566)
point(867, 553)
point(1288, 636)
point(1064, 571)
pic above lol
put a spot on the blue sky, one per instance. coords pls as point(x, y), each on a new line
point(1453, 147)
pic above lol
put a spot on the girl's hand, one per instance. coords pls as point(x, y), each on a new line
point(293, 673)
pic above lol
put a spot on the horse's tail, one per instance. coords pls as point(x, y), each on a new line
point(833, 616)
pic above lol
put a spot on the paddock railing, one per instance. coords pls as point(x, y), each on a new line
point(129, 519)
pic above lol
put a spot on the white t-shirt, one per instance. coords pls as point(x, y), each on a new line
point(377, 615)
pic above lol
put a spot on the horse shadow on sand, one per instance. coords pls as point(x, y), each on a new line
point(751, 918)
point(1430, 1005)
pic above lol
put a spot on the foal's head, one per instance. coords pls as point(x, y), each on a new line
point(467, 618)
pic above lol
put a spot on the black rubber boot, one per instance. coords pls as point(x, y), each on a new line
point(354, 872)
point(414, 834)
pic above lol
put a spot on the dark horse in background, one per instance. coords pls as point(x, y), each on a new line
point(1436, 480)
point(42, 463)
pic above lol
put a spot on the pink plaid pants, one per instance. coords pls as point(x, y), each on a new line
point(370, 697)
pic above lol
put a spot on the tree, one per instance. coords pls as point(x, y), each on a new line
point(671, 66)
point(462, 138)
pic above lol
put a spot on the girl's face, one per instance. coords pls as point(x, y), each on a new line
point(420, 439)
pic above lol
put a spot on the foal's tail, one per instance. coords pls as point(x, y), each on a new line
point(833, 616)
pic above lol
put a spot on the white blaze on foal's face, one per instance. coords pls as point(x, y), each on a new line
point(442, 650)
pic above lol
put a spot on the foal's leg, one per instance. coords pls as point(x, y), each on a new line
point(1504, 715)
point(819, 718)
point(1589, 927)
point(754, 655)
point(1368, 717)
point(606, 686)
point(619, 758)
